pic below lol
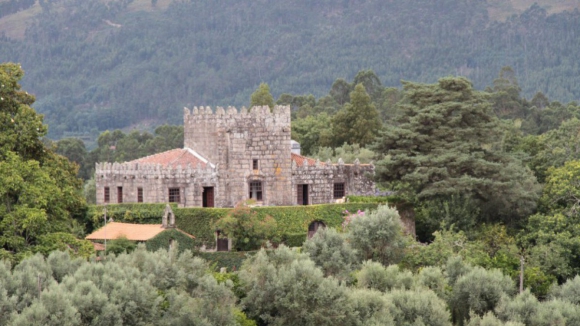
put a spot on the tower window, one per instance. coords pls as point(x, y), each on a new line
point(139, 195)
point(107, 195)
point(256, 190)
point(119, 195)
point(255, 164)
point(174, 196)
point(338, 190)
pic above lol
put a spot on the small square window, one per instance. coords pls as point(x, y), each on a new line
point(174, 196)
point(139, 195)
point(338, 190)
point(107, 195)
point(255, 164)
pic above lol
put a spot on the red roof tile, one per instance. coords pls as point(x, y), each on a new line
point(135, 232)
point(174, 158)
point(299, 159)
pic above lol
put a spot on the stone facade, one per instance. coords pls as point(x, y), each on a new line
point(231, 156)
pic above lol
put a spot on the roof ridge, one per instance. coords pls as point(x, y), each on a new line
point(144, 157)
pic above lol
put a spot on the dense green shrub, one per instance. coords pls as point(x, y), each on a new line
point(164, 239)
point(329, 250)
point(232, 260)
point(294, 239)
point(129, 213)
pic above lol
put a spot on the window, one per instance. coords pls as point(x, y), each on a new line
point(338, 190)
point(119, 194)
point(174, 195)
point(139, 195)
point(255, 164)
point(256, 190)
point(107, 195)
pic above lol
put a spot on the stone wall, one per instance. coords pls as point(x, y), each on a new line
point(155, 181)
point(321, 177)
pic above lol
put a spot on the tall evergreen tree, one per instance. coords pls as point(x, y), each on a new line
point(442, 143)
point(262, 96)
point(358, 122)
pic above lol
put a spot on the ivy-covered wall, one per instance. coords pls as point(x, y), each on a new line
point(292, 221)
point(163, 240)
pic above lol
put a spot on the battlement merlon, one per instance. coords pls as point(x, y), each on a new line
point(280, 113)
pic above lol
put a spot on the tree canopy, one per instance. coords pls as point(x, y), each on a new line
point(444, 142)
point(39, 190)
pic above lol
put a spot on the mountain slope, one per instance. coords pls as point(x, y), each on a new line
point(96, 65)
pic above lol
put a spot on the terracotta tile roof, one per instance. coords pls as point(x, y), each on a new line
point(299, 159)
point(135, 232)
point(175, 157)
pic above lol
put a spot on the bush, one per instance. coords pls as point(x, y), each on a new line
point(247, 229)
point(378, 235)
point(164, 239)
point(233, 260)
point(294, 239)
point(478, 291)
point(418, 307)
point(329, 250)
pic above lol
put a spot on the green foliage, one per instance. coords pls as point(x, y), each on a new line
point(371, 199)
point(170, 237)
point(370, 307)
point(262, 96)
point(131, 213)
point(348, 154)
point(418, 307)
point(375, 276)
point(114, 77)
point(232, 260)
point(39, 191)
point(560, 192)
point(65, 242)
point(294, 239)
point(120, 245)
point(489, 319)
point(329, 250)
point(358, 122)
point(461, 212)
point(378, 235)
point(312, 132)
point(247, 229)
point(442, 144)
point(478, 291)
point(284, 287)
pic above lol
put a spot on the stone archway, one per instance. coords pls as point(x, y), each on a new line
point(313, 228)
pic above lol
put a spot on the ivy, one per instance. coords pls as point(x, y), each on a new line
point(164, 239)
point(292, 221)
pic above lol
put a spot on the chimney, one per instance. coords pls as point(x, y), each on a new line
point(295, 147)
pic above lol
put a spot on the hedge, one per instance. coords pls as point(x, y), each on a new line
point(292, 221)
point(163, 239)
point(130, 213)
point(232, 260)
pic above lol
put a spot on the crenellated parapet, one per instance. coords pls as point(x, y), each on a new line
point(131, 170)
point(278, 115)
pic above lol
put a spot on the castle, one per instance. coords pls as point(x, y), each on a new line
point(228, 157)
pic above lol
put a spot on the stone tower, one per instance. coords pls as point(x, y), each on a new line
point(250, 148)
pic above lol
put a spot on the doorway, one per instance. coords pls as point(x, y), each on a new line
point(208, 197)
point(302, 194)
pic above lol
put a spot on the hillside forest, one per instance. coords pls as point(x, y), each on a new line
point(103, 65)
